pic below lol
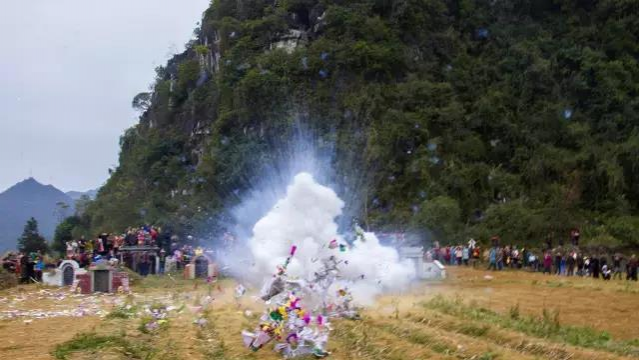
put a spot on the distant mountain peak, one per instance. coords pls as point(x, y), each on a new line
point(31, 184)
point(30, 198)
point(29, 181)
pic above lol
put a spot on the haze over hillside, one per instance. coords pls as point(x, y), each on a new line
point(26, 199)
point(76, 195)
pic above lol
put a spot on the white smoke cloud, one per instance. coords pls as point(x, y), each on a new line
point(306, 217)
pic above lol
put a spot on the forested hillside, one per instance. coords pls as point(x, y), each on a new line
point(518, 118)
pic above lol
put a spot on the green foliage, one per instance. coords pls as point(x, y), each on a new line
point(93, 342)
point(7, 280)
point(142, 101)
point(626, 229)
point(477, 118)
point(64, 233)
point(473, 330)
point(487, 356)
point(84, 341)
point(188, 73)
point(201, 50)
point(513, 312)
point(31, 240)
point(122, 312)
point(513, 221)
point(442, 215)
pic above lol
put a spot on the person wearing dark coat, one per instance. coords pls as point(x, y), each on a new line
point(580, 265)
point(594, 267)
point(570, 264)
point(603, 260)
point(632, 266)
point(24, 267)
point(616, 265)
point(144, 266)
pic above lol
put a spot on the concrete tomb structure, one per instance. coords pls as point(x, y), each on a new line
point(101, 277)
point(423, 270)
point(434, 270)
point(143, 259)
point(63, 275)
point(200, 267)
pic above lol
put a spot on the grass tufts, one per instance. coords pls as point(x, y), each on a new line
point(122, 312)
point(487, 356)
point(547, 327)
point(513, 312)
point(93, 342)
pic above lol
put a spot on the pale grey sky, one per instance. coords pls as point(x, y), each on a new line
point(68, 72)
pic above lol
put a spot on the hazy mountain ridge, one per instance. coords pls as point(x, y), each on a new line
point(76, 195)
point(30, 198)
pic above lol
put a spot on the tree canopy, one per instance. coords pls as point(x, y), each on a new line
point(64, 233)
point(460, 117)
point(31, 240)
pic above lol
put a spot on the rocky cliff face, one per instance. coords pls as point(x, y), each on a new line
point(516, 117)
point(295, 27)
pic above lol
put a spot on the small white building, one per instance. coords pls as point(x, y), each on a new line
point(423, 270)
point(63, 275)
point(434, 270)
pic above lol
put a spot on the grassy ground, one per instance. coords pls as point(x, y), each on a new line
point(513, 315)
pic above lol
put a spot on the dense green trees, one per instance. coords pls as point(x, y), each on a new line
point(462, 117)
point(64, 233)
point(31, 240)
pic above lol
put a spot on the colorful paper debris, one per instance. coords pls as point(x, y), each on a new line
point(296, 329)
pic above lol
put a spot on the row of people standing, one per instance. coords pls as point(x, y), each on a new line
point(560, 261)
point(30, 267)
point(453, 255)
point(109, 245)
point(574, 263)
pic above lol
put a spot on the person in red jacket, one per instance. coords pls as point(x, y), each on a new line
point(154, 235)
point(447, 255)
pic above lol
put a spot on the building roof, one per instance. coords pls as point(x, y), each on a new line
point(139, 248)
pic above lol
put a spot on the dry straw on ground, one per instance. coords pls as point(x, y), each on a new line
point(467, 316)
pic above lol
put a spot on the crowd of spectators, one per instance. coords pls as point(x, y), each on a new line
point(561, 260)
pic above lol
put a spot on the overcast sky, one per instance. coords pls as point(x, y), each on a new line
point(68, 72)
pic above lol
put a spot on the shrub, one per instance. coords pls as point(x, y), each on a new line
point(7, 280)
point(440, 215)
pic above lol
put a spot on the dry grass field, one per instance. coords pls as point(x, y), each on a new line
point(505, 315)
